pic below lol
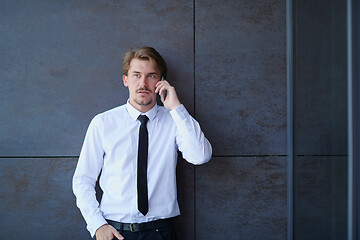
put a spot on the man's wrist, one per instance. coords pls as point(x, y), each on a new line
point(175, 106)
point(180, 113)
point(96, 225)
point(101, 227)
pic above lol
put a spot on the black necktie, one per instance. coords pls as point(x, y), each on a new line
point(142, 166)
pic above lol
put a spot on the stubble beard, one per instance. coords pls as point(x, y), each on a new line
point(143, 102)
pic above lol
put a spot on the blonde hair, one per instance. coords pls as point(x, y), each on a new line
point(144, 53)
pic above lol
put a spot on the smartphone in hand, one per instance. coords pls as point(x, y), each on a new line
point(163, 95)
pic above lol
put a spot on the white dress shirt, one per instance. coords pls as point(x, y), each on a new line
point(111, 147)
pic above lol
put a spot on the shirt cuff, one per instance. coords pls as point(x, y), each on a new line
point(180, 113)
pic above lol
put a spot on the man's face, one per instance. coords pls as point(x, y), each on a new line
point(141, 80)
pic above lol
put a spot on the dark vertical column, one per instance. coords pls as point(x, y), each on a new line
point(320, 120)
point(353, 8)
point(290, 116)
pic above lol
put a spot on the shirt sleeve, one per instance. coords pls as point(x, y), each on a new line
point(86, 174)
point(191, 141)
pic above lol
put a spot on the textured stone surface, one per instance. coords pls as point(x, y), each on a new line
point(240, 75)
point(61, 63)
point(37, 193)
point(241, 198)
point(37, 200)
point(185, 223)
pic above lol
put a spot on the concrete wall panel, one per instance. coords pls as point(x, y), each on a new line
point(240, 66)
point(241, 198)
point(37, 201)
point(61, 65)
point(185, 223)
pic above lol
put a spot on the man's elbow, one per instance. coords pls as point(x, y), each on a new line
point(203, 156)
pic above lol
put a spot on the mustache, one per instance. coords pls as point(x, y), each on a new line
point(143, 89)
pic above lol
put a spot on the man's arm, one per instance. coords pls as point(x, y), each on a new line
point(191, 141)
point(86, 174)
point(194, 146)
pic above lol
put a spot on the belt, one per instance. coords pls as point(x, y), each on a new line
point(139, 227)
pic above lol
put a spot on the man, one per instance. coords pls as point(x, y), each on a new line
point(139, 196)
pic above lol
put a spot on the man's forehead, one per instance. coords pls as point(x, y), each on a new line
point(143, 66)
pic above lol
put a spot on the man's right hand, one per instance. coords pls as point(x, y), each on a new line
point(107, 232)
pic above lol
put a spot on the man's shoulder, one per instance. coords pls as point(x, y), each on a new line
point(113, 112)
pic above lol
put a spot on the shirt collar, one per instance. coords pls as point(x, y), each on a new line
point(134, 113)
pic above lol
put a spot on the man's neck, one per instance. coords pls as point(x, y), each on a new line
point(142, 108)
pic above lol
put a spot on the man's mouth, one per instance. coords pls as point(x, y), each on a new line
point(143, 90)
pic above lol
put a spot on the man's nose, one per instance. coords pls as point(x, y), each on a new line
point(143, 81)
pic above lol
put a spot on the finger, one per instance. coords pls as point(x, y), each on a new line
point(158, 83)
point(168, 90)
point(161, 92)
point(160, 88)
point(118, 235)
point(163, 82)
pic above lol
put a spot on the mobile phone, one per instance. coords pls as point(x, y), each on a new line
point(163, 96)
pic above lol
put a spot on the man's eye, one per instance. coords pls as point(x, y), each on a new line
point(152, 76)
point(137, 75)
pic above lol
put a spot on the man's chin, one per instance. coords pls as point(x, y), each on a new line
point(143, 102)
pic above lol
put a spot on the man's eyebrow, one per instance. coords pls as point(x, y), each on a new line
point(152, 73)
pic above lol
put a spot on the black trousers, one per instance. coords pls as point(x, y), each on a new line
point(163, 233)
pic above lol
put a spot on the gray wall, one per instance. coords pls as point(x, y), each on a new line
point(240, 101)
point(61, 64)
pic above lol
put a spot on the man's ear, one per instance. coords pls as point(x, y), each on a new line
point(125, 80)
